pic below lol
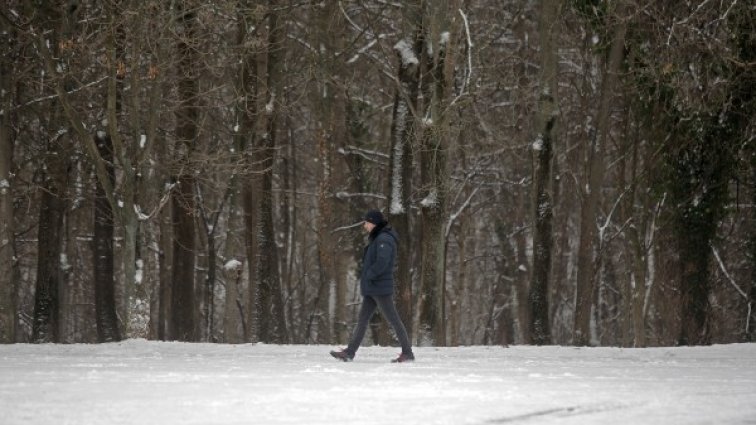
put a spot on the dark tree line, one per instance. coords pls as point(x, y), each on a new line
point(560, 172)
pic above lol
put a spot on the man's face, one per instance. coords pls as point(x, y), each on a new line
point(368, 226)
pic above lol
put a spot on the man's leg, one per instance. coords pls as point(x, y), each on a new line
point(366, 312)
point(388, 309)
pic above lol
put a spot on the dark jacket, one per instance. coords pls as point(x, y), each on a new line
point(377, 277)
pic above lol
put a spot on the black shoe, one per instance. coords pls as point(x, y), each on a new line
point(404, 357)
point(343, 355)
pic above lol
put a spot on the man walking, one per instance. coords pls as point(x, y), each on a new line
point(377, 287)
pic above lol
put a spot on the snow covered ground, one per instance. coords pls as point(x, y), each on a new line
point(141, 382)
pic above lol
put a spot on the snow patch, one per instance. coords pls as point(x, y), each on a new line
point(444, 39)
point(138, 275)
point(406, 53)
point(431, 200)
point(64, 264)
point(538, 144)
point(140, 215)
point(142, 140)
point(397, 206)
point(232, 264)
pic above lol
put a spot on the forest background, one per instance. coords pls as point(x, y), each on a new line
point(560, 172)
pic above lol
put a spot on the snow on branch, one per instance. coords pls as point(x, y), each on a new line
point(140, 215)
point(364, 49)
point(684, 21)
point(347, 227)
point(365, 153)
point(232, 265)
point(727, 275)
point(608, 221)
point(456, 215)
point(466, 81)
point(53, 96)
point(468, 72)
point(346, 195)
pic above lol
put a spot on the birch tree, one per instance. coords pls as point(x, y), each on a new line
point(403, 136)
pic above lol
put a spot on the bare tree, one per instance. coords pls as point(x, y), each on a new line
point(53, 189)
point(434, 167)
point(330, 115)
point(108, 329)
point(271, 308)
point(595, 178)
point(403, 139)
point(7, 228)
point(538, 298)
point(751, 332)
point(183, 197)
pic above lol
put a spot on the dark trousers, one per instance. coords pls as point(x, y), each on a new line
point(386, 304)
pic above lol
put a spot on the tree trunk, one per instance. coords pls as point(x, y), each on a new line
point(538, 298)
point(102, 253)
point(233, 273)
point(184, 244)
point(206, 293)
point(165, 248)
point(434, 175)
point(401, 166)
point(7, 240)
point(595, 179)
point(272, 320)
point(183, 198)
point(50, 243)
point(249, 19)
point(506, 288)
point(289, 223)
point(638, 241)
point(751, 330)
point(240, 202)
point(124, 208)
point(330, 109)
point(699, 189)
point(46, 321)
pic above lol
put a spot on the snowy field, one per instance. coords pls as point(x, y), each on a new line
point(140, 382)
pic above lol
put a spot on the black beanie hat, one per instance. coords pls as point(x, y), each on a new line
point(375, 217)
